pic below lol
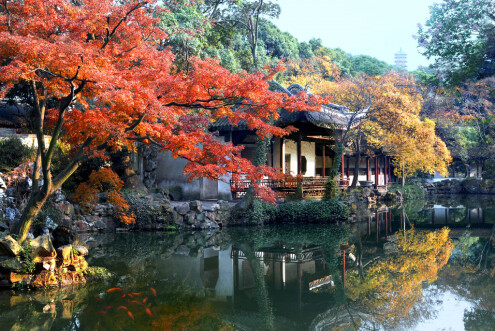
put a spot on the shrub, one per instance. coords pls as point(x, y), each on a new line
point(409, 191)
point(258, 212)
point(312, 211)
point(14, 153)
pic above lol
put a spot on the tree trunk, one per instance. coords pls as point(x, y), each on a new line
point(403, 179)
point(356, 163)
point(34, 205)
point(339, 149)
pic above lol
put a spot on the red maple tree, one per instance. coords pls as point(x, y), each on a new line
point(97, 76)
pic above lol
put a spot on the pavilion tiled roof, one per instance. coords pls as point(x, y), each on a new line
point(330, 116)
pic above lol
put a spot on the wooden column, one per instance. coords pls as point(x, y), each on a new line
point(323, 161)
point(386, 170)
point(368, 176)
point(282, 165)
point(299, 155)
point(376, 171)
point(348, 161)
point(342, 167)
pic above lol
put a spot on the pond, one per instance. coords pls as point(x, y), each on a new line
point(376, 273)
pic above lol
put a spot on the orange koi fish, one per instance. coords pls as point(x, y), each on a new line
point(97, 299)
point(153, 290)
point(148, 311)
point(108, 307)
point(145, 299)
point(122, 307)
point(136, 302)
point(102, 312)
point(122, 296)
point(114, 289)
point(130, 295)
point(136, 294)
point(130, 314)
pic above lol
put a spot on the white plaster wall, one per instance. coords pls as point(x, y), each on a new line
point(307, 150)
point(170, 172)
point(28, 140)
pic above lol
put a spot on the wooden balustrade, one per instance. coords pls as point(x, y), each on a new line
point(312, 186)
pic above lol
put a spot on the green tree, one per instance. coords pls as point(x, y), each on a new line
point(459, 36)
point(365, 64)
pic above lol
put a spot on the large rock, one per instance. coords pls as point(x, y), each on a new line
point(64, 254)
point(81, 250)
point(63, 236)
point(183, 208)
point(196, 206)
point(100, 225)
point(3, 226)
point(11, 264)
point(9, 246)
point(190, 218)
point(42, 246)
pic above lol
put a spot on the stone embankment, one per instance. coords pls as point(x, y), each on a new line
point(466, 186)
point(154, 214)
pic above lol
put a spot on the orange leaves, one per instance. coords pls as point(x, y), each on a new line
point(104, 180)
point(127, 88)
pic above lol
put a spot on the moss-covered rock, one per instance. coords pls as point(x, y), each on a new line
point(97, 273)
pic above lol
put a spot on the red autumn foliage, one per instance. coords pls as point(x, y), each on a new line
point(96, 73)
point(104, 181)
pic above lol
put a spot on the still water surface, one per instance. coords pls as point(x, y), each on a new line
point(286, 278)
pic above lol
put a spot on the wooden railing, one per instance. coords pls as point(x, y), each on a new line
point(313, 187)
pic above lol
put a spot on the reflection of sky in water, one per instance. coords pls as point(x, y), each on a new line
point(449, 309)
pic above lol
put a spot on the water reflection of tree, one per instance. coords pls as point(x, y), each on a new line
point(387, 291)
point(470, 274)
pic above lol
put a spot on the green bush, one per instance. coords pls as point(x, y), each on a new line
point(14, 153)
point(311, 211)
point(258, 212)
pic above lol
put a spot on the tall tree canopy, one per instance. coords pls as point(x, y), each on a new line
point(459, 35)
point(99, 79)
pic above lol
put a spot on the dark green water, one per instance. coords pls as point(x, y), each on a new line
point(284, 278)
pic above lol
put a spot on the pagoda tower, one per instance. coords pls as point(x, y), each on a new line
point(401, 59)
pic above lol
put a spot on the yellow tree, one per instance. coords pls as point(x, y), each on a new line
point(395, 125)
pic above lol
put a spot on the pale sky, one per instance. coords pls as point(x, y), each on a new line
point(371, 27)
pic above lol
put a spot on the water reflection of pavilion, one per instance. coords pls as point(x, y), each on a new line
point(454, 217)
point(283, 267)
point(291, 276)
